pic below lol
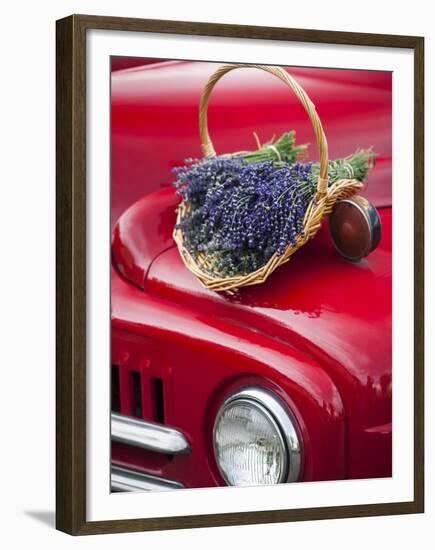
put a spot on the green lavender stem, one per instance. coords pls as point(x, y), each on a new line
point(355, 166)
point(284, 150)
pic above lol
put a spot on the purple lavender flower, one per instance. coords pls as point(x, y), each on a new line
point(242, 213)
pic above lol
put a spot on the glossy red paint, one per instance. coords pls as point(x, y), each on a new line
point(143, 232)
point(318, 332)
point(201, 359)
point(120, 63)
point(337, 312)
point(155, 120)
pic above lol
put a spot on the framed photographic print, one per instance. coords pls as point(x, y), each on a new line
point(239, 274)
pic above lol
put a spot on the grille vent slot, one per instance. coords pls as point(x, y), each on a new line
point(116, 394)
point(136, 404)
point(135, 393)
point(159, 408)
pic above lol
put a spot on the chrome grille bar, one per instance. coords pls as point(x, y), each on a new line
point(147, 435)
point(124, 479)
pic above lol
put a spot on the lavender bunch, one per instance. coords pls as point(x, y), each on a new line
point(242, 212)
point(282, 150)
point(354, 166)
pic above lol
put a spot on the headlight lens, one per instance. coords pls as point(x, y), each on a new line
point(251, 446)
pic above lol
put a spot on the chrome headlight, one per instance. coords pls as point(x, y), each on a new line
point(255, 440)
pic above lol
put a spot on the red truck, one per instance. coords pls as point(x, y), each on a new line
point(286, 381)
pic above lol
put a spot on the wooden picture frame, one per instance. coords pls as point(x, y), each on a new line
point(71, 273)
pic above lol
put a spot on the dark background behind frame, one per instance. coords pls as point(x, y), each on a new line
point(71, 273)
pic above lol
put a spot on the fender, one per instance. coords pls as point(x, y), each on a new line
point(210, 357)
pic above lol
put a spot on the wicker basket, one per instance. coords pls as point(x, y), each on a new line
point(320, 206)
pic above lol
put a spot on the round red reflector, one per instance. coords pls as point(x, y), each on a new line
point(355, 228)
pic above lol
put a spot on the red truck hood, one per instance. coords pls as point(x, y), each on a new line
point(334, 309)
point(338, 311)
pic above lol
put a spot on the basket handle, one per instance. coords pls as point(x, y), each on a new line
point(207, 145)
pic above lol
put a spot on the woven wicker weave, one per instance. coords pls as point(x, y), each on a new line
point(320, 206)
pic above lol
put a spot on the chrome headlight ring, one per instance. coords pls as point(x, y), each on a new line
point(280, 421)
